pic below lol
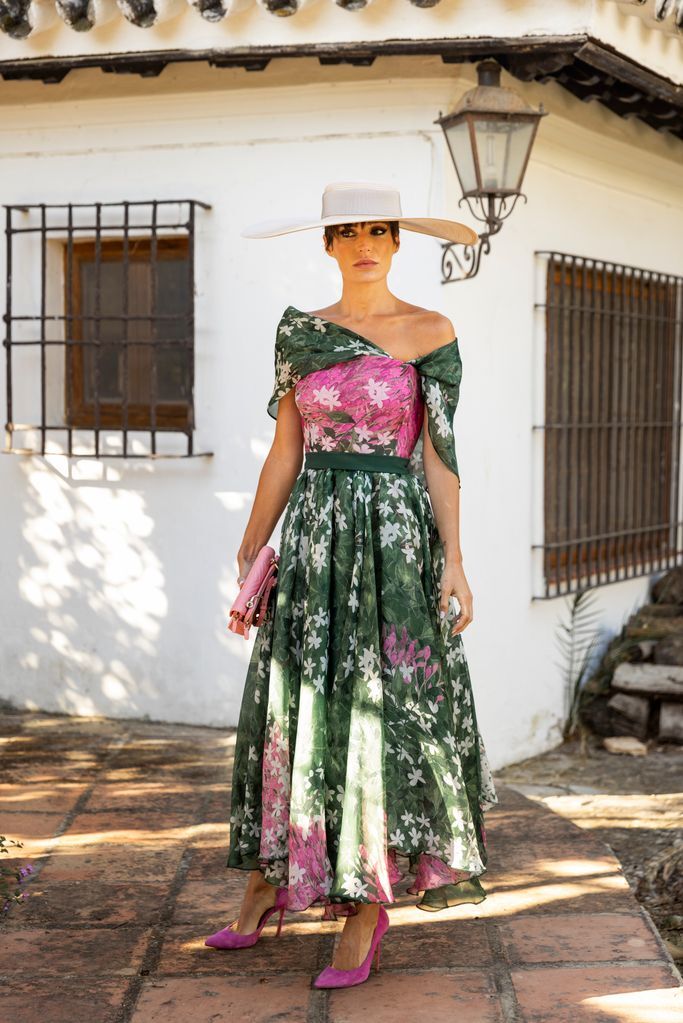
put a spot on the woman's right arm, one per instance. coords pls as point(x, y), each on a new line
point(278, 475)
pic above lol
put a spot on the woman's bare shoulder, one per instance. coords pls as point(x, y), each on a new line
point(432, 329)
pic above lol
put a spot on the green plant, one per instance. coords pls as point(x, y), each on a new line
point(576, 639)
point(12, 878)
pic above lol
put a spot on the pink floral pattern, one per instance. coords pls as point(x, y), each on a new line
point(370, 404)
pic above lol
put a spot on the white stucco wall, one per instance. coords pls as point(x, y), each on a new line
point(115, 578)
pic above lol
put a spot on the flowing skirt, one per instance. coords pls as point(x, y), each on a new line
point(357, 740)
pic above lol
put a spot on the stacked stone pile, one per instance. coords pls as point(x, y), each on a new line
point(638, 690)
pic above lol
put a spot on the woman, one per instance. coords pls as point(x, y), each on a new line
point(357, 739)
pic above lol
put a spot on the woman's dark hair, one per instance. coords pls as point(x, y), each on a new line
point(332, 230)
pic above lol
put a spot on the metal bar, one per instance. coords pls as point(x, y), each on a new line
point(190, 328)
point(43, 367)
point(98, 317)
point(594, 468)
point(621, 380)
point(113, 202)
point(91, 316)
point(638, 407)
point(570, 452)
point(108, 454)
point(68, 334)
point(8, 328)
point(649, 299)
point(89, 343)
point(154, 285)
point(677, 439)
point(549, 440)
point(579, 434)
point(126, 300)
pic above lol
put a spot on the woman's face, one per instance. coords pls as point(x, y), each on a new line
point(364, 252)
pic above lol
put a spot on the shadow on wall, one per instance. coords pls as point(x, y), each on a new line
point(113, 595)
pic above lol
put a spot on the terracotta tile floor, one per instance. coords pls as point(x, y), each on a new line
point(125, 824)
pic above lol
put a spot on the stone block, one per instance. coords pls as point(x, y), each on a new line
point(635, 710)
point(649, 679)
point(671, 721)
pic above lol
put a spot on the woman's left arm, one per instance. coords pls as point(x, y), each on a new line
point(444, 494)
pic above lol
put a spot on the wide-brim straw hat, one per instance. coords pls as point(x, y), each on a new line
point(347, 202)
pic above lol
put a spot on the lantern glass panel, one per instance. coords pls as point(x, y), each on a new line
point(458, 138)
point(502, 147)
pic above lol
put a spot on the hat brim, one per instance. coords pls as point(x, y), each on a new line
point(450, 230)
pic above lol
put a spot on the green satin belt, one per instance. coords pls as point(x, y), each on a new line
point(351, 460)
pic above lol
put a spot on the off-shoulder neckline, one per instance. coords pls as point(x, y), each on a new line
point(348, 330)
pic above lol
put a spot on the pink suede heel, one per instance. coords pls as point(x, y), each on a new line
point(332, 977)
point(228, 938)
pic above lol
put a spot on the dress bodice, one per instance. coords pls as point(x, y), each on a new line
point(353, 396)
point(370, 404)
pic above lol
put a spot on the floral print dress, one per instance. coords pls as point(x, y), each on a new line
point(358, 758)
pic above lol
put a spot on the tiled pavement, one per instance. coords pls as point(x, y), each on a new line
point(125, 824)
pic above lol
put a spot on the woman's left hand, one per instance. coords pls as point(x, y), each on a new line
point(453, 582)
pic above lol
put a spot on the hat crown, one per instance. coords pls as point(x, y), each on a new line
point(361, 200)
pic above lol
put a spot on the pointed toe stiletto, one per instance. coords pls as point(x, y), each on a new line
point(332, 977)
point(228, 938)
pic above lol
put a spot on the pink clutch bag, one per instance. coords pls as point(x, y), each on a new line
point(251, 602)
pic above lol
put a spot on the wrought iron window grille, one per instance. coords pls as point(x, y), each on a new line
point(611, 362)
point(99, 329)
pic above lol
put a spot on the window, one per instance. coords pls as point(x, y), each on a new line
point(612, 429)
point(100, 328)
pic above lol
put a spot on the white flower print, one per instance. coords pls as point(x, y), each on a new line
point(319, 684)
point(409, 553)
point(397, 837)
point(318, 324)
point(368, 662)
point(454, 783)
point(296, 874)
point(388, 533)
point(319, 555)
point(467, 744)
point(311, 433)
point(378, 390)
point(328, 397)
point(407, 818)
point(362, 432)
point(414, 835)
point(416, 776)
point(351, 884)
point(375, 687)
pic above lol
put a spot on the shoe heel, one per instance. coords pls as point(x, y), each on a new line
point(379, 945)
point(279, 926)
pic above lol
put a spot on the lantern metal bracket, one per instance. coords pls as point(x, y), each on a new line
point(456, 268)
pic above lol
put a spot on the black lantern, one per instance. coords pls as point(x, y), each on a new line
point(489, 135)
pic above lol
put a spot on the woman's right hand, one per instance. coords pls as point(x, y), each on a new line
point(244, 563)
